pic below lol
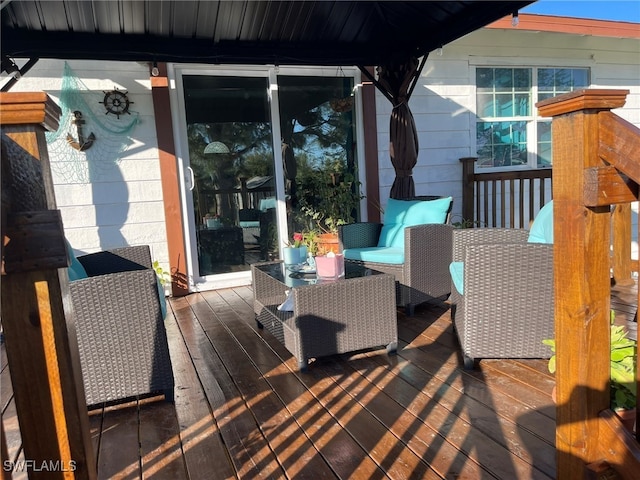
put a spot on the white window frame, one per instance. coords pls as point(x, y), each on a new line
point(530, 120)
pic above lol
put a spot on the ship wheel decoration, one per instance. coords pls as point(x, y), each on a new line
point(116, 102)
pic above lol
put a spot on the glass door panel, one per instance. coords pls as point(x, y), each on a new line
point(230, 145)
point(317, 124)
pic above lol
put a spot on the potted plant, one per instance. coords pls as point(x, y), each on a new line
point(622, 367)
point(330, 200)
point(295, 252)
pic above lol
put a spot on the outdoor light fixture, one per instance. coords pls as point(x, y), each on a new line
point(439, 51)
point(154, 70)
point(514, 19)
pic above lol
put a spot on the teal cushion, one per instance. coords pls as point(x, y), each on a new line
point(267, 203)
point(76, 270)
point(408, 213)
point(431, 211)
point(456, 269)
point(393, 218)
point(542, 228)
point(376, 254)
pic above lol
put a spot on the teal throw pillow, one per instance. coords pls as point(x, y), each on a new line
point(76, 270)
point(393, 217)
point(542, 228)
point(420, 212)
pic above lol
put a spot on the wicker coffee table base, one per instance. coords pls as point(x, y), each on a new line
point(328, 318)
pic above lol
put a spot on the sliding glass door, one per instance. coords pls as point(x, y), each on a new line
point(254, 145)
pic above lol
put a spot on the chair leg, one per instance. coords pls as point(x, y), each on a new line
point(303, 365)
point(468, 362)
point(392, 348)
point(168, 395)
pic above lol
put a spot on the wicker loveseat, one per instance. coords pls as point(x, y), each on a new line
point(119, 322)
point(419, 254)
point(502, 293)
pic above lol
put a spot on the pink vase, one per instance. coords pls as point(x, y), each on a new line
point(330, 266)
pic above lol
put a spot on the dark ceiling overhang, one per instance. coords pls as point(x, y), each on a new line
point(240, 31)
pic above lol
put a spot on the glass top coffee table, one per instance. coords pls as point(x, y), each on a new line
point(327, 316)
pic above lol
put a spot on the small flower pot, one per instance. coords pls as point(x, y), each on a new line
point(329, 242)
point(294, 255)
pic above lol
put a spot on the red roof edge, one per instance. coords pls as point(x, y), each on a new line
point(577, 26)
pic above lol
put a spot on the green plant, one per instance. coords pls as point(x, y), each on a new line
point(297, 240)
point(163, 275)
point(330, 200)
point(622, 367)
point(310, 239)
point(465, 223)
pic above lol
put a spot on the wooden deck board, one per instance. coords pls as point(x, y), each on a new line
point(243, 410)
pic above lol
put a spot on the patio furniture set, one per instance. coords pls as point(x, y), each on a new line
point(501, 284)
point(500, 280)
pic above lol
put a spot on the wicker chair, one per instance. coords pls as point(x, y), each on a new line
point(424, 275)
point(506, 308)
point(120, 326)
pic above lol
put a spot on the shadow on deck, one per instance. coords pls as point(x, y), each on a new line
point(242, 410)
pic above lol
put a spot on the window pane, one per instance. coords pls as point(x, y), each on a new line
point(544, 144)
point(484, 79)
point(503, 83)
point(544, 96)
point(580, 78)
point(485, 106)
point(562, 79)
point(556, 81)
point(545, 79)
point(504, 105)
point(523, 100)
point(503, 80)
point(501, 144)
point(522, 79)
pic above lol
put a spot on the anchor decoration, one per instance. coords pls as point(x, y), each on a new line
point(82, 143)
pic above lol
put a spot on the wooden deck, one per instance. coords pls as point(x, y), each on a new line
point(242, 410)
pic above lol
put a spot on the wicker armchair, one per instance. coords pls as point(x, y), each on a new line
point(424, 275)
point(506, 308)
point(120, 326)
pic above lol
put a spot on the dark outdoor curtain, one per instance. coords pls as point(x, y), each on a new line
point(395, 80)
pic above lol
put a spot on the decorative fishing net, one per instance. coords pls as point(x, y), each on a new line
point(87, 146)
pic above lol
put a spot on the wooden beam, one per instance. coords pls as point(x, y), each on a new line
point(605, 185)
point(581, 278)
point(621, 231)
point(36, 317)
point(617, 443)
point(619, 144)
point(29, 108)
point(171, 182)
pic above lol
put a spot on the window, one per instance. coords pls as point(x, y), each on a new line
point(508, 130)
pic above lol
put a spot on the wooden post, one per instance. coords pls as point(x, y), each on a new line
point(621, 228)
point(170, 186)
point(36, 317)
point(581, 278)
point(468, 187)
